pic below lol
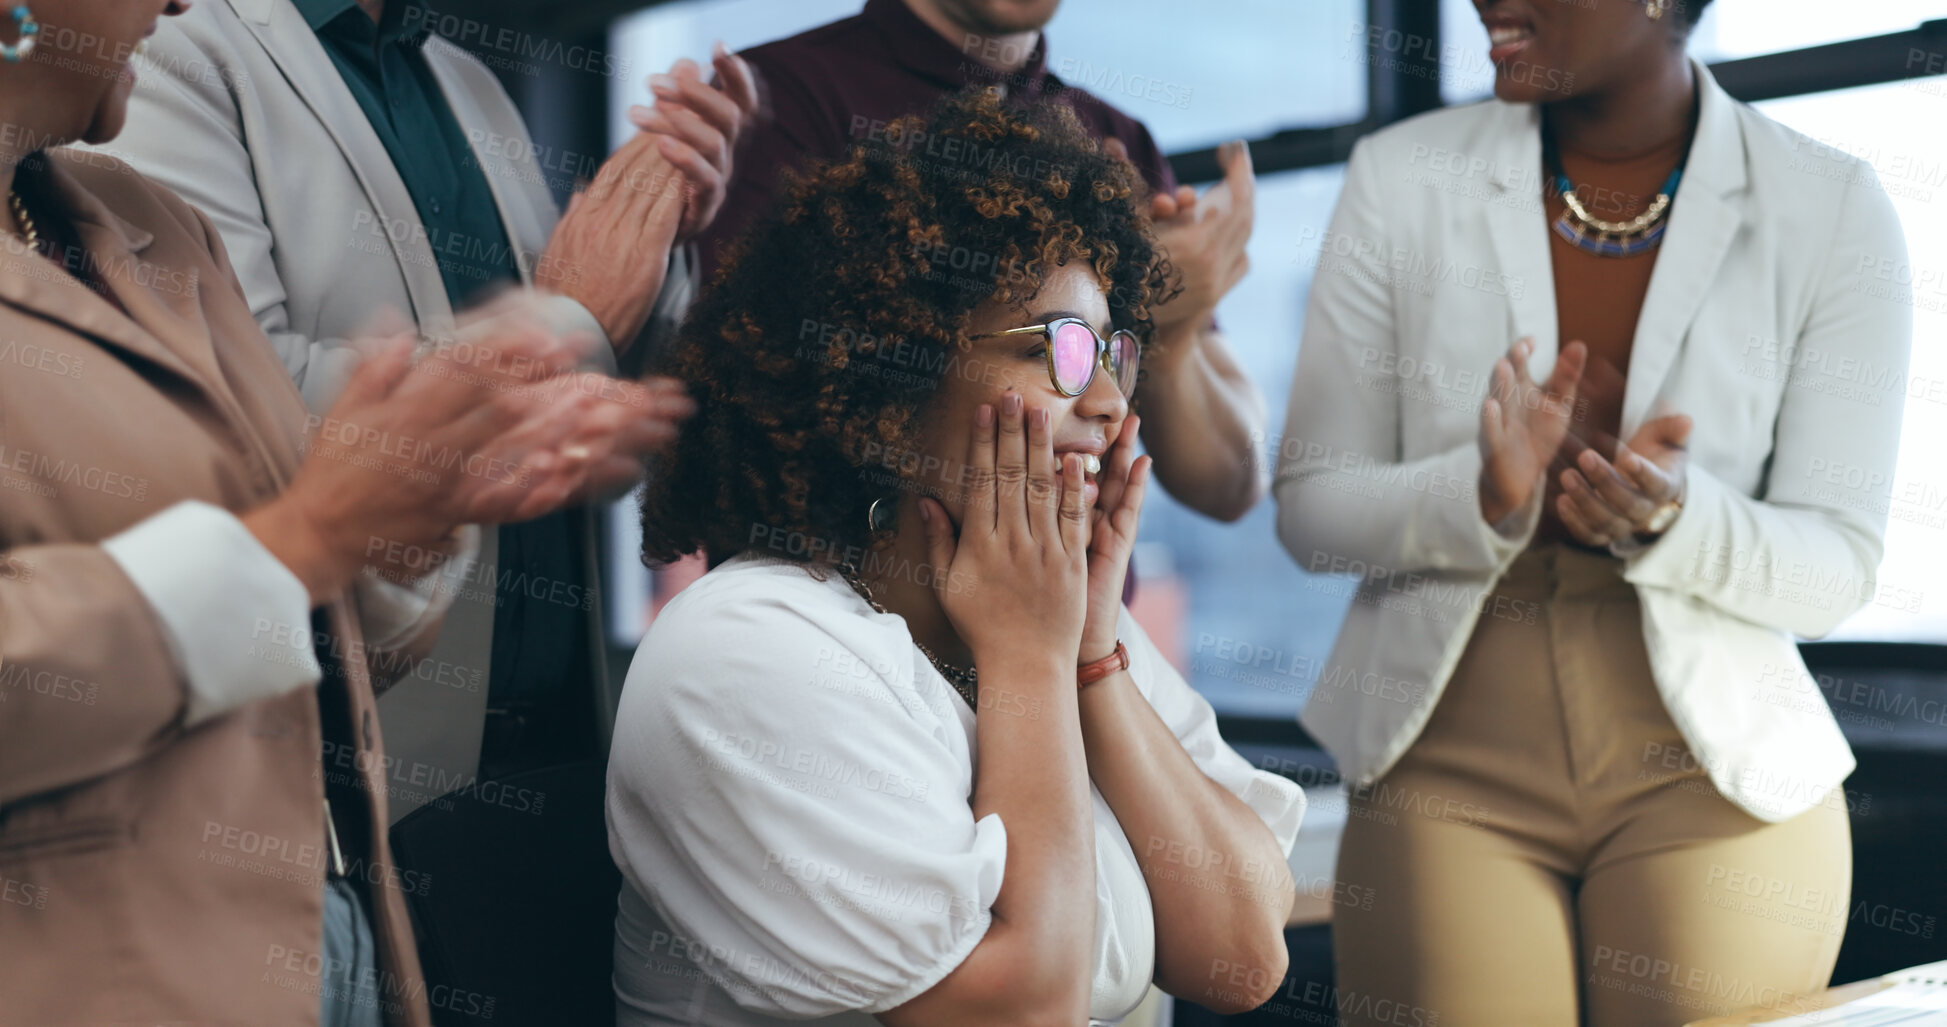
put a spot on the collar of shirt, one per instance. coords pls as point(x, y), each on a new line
point(405, 21)
point(921, 50)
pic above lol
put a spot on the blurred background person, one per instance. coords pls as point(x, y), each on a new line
point(352, 158)
point(1597, 722)
point(836, 86)
point(932, 772)
point(198, 602)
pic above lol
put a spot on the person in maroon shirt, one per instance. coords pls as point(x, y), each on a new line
point(841, 84)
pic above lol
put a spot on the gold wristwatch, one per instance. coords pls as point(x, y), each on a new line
point(1660, 520)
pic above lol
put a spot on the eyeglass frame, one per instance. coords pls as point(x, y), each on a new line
point(1100, 363)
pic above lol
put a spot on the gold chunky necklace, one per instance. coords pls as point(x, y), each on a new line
point(28, 229)
point(1591, 234)
point(965, 680)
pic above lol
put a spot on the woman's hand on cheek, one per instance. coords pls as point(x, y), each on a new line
point(1112, 536)
point(1016, 578)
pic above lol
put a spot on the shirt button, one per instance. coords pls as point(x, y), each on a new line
point(435, 206)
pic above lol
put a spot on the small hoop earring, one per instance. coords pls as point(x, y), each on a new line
point(881, 514)
point(30, 30)
point(1654, 8)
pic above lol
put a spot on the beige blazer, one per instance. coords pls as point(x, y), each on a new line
point(1774, 318)
point(150, 871)
point(238, 108)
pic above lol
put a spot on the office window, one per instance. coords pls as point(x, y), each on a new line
point(1730, 29)
point(1745, 28)
point(1237, 76)
point(655, 38)
point(1250, 68)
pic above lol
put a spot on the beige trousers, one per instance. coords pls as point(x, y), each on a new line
point(1548, 851)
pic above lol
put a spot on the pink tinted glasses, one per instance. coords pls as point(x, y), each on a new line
point(1074, 351)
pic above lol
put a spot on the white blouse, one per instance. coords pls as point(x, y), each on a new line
point(789, 802)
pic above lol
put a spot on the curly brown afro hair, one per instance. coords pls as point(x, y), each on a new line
point(817, 347)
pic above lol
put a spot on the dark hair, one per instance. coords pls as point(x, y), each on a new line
point(814, 352)
point(1692, 11)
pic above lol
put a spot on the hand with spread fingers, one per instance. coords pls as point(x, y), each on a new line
point(1523, 424)
point(697, 126)
point(1023, 535)
point(1638, 494)
point(1111, 538)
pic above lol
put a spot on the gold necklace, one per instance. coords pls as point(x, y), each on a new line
point(965, 680)
point(25, 220)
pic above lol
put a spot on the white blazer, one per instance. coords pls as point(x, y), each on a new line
point(1774, 318)
point(238, 109)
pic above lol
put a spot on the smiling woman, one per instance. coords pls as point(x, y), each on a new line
point(926, 484)
point(1640, 545)
point(819, 347)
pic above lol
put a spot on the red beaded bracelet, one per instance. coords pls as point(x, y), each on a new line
point(1089, 673)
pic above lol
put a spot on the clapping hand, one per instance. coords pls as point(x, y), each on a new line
point(610, 252)
point(1604, 502)
point(698, 126)
point(1522, 425)
point(1205, 237)
point(494, 429)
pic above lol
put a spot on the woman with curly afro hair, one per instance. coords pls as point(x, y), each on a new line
point(903, 757)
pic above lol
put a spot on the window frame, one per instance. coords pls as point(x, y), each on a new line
point(1406, 83)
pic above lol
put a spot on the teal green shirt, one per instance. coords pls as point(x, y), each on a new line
point(385, 70)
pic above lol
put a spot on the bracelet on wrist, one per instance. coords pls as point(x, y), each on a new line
point(1089, 673)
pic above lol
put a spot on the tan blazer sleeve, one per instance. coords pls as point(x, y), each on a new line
point(88, 683)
